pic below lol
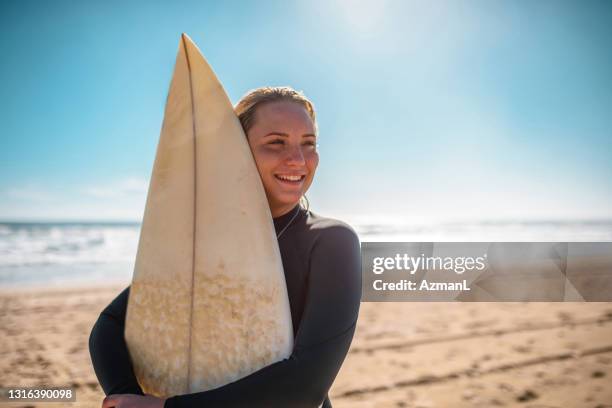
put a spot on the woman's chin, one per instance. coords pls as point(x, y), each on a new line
point(286, 200)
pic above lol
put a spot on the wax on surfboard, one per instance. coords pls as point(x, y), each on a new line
point(208, 302)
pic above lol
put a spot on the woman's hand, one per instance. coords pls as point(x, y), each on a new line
point(132, 401)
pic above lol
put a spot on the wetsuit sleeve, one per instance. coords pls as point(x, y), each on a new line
point(108, 350)
point(321, 343)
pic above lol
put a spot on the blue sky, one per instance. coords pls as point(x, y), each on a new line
point(427, 110)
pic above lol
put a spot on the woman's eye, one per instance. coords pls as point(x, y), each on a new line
point(281, 142)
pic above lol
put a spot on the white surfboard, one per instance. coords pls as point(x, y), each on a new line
point(208, 303)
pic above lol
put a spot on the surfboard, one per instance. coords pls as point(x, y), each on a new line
point(208, 301)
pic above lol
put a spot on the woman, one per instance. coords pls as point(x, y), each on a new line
point(321, 260)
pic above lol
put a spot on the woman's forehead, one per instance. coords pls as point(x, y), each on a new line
point(286, 114)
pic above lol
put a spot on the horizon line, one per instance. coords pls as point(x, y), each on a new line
point(483, 220)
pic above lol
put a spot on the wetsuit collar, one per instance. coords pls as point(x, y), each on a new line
point(282, 221)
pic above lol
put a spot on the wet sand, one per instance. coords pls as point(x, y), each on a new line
point(536, 355)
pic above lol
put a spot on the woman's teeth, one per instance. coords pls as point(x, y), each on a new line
point(289, 178)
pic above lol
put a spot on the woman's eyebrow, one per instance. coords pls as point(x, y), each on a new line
point(287, 135)
point(277, 134)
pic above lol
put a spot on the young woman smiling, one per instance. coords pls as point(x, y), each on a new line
point(322, 265)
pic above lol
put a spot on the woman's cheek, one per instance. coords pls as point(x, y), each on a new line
point(267, 154)
point(313, 160)
point(264, 159)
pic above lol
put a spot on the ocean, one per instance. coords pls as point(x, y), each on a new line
point(57, 254)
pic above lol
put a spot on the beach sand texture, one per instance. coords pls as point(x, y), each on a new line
point(537, 355)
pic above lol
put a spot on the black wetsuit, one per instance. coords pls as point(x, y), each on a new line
point(322, 264)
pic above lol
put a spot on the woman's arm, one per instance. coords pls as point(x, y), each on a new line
point(108, 351)
point(322, 341)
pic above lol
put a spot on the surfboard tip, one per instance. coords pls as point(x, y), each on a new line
point(184, 36)
point(187, 43)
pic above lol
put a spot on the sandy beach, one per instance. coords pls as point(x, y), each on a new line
point(536, 355)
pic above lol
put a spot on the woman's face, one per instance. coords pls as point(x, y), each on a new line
point(283, 142)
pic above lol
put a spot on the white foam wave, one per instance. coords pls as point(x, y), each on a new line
point(53, 244)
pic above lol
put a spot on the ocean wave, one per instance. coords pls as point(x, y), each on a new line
point(43, 244)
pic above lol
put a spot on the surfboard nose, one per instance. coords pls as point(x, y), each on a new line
point(189, 49)
point(186, 38)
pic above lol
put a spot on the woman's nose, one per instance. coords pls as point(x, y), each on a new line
point(295, 156)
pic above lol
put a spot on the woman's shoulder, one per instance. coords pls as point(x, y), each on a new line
point(335, 249)
point(331, 230)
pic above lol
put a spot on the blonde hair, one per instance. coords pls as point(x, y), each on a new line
point(247, 106)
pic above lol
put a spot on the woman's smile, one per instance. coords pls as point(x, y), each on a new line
point(291, 179)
